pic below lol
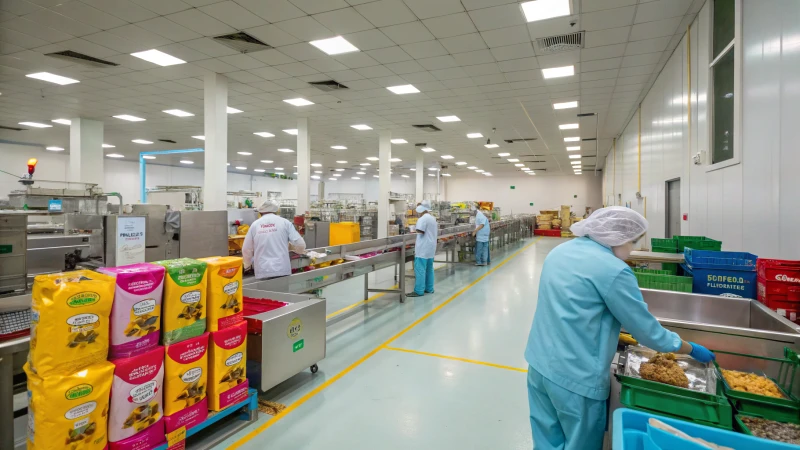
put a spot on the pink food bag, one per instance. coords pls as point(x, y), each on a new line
point(136, 395)
point(148, 439)
point(136, 313)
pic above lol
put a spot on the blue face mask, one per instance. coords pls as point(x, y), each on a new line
point(420, 209)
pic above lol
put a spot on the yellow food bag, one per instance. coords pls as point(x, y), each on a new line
point(69, 321)
point(69, 411)
point(227, 377)
point(185, 374)
point(224, 293)
point(184, 304)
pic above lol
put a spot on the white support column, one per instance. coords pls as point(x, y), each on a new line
point(86, 152)
point(419, 193)
point(385, 181)
point(215, 182)
point(303, 166)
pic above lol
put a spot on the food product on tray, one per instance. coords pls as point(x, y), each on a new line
point(69, 411)
point(69, 321)
point(750, 382)
point(136, 394)
point(185, 381)
point(136, 313)
point(770, 429)
point(224, 291)
point(184, 305)
point(227, 382)
point(663, 369)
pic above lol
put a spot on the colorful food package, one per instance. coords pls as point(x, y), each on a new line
point(185, 381)
point(69, 411)
point(136, 314)
point(224, 294)
point(69, 321)
point(136, 394)
point(150, 438)
point(184, 306)
point(227, 381)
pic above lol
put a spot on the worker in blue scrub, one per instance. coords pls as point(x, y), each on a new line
point(425, 249)
point(586, 292)
point(481, 233)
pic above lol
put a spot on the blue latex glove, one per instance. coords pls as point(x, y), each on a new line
point(701, 353)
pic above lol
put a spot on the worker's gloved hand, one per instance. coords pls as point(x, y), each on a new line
point(701, 353)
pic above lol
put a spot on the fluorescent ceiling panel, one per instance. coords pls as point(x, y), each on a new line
point(427, 149)
point(36, 125)
point(244, 153)
point(129, 118)
point(114, 155)
point(54, 149)
point(285, 150)
point(108, 146)
point(178, 112)
point(568, 126)
point(491, 146)
point(361, 127)
point(565, 105)
point(572, 139)
point(230, 110)
point(141, 141)
point(573, 148)
point(62, 121)
point(403, 89)
point(292, 131)
point(298, 102)
point(51, 77)
point(474, 135)
point(558, 72)
point(158, 57)
point(544, 9)
point(202, 138)
point(334, 46)
point(399, 141)
point(338, 147)
point(264, 134)
point(449, 119)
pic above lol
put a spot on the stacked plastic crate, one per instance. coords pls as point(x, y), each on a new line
point(779, 286)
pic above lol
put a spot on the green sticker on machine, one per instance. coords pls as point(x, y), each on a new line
point(513, 187)
point(5, 249)
point(297, 346)
point(531, 203)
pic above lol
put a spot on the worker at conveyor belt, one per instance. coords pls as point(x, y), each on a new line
point(265, 246)
point(586, 291)
point(424, 250)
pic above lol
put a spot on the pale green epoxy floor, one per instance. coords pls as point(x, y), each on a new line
point(401, 400)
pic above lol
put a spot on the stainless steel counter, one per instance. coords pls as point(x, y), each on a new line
point(637, 256)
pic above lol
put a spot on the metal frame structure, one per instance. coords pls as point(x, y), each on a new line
point(143, 167)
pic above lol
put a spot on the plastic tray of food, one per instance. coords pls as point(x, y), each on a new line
point(787, 432)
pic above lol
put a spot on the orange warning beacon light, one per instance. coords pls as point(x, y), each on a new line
point(32, 166)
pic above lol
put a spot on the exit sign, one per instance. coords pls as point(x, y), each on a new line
point(513, 187)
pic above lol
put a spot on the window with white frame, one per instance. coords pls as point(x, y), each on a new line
point(722, 80)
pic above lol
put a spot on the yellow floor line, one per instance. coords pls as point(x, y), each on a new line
point(246, 438)
point(456, 358)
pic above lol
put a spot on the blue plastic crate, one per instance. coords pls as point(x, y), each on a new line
point(721, 273)
point(632, 432)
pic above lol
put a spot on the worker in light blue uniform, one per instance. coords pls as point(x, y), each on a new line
point(586, 292)
point(425, 249)
point(481, 233)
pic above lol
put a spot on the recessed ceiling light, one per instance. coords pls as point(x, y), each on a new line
point(186, 161)
point(568, 126)
point(519, 165)
point(471, 167)
point(332, 179)
point(479, 170)
point(129, 118)
point(279, 168)
point(544, 9)
point(524, 168)
point(447, 156)
point(341, 162)
point(513, 160)
point(361, 173)
point(487, 174)
point(491, 146)
point(158, 57)
point(54, 149)
point(565, 105)
point(334, 46)
point(266, 161)
point(449, 119)
point(427, 149)
point(337, 174)
point(503, 155)
point(227, 164)
point(148, 157)
point(292, 131)
point(558, 72)
point(141, 141)
point(241, 167)
point(316, 165)
point(461, 163)
point(355, 178)
point(404, 176)
point(371, 158)
point(265, 134)
point(575, 163)
point(572, 149)
point(394, 160)
point(365, 164)
point(244, 153)
point(572, 139)
point(339, 170)
point(202, 138)
point(399, 141)
point(62, 121)
point(317, 171)
point(259, 170)
point(531, 173)
point(178, 112)
point(36, 125)
point(574, 156)
point(361, 127)
point(285, 150)
point(298, 102)
point(53, 78)
point(431, 175)
point(338, 147)
point(375, 176)
point(108, 146)
point(230, 110)
point(114, 155)
point(445, 174)
point(433, 168)
point(315, 177)
point(404, 89)
point(474, 135)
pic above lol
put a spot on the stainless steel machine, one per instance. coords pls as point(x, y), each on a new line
point(197, 234)
point(156, 237)
point(13, 252)
point(317, 234)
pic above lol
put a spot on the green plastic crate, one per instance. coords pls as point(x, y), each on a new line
point(672, 268)
point(779, 409)
point(742, 428)
point(664, 245)
point(653, 271)
point(684, 404)
point(697, 243)
point(664, 282)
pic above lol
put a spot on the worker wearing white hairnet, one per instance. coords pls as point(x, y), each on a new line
point(586, 292)
point(268, 241)
point(424, 250)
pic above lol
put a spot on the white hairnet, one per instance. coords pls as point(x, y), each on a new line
point(268, 206)
point(425, 205)
point(612, 226)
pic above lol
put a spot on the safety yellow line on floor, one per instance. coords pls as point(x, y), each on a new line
point(456, 358)
point(246, 438)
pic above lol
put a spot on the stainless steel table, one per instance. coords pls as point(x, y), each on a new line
point(8, 349)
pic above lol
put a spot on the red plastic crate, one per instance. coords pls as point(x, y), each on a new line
point(777, 291)
point(253, 306)
point(793, 315)
point(779, 270)
point(550, 233)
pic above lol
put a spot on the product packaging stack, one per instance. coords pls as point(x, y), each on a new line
point(544, 222)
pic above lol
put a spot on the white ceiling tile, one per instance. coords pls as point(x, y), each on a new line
point(199, 3)
point(418, 77)
point(369, 40)
point(600, 64)
point(401, 68)
point(635, 79)
point(301, 51)
point(658, 10)
point(476, 57)
point(552, 27)
point(638, 70)
point(204, 24)
point(215, 65)
point(374, 71)
point(343, 21)
point(296, 69)
point(209, 47)
point(597, 5)
point(450, 25)
point(272, 35)
point(629, 88)
point(529, 76)
point(242, 61)
point(438, 62)
point(659, 28)
point(114, 42)
point(272, 10)
point(23, 25)
point(506, 36)
point(598, 83)
point(480, 4)
point(561, 59)
point(647, 46)
point(425, 9)
point(449, 74)
point(163, 7)
point(306, 29)
point(244, 77)
point(183, 52)
point(524, 50)
point(58, 22)
point(356, 59)
point(232, 14)
point(607, 51)
point(124, 9)
point(318, 6)
point(514, 65)
point(482, 69)
point(326, 64)
point(497, 17)
point(144, 39)
point(168, 29)
point(84, 13)
point(19, 7)
point(386, 12)
point(463, 43)
point(641, 60)
point(407, 33)
point(424, 49)
point(607, 37)
point(389, 55)
point(269, 73)
point(608, 18)
point(599, 75)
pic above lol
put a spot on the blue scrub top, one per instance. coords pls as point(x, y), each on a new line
point(426, 243)
point(483, 234)
point(585, 293)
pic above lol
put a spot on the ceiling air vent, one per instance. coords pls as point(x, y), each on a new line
point(560, 43)
point(10, 128)
point(511, 141)
point(242, 42)
point(534, 161)
point(328, 85)
point(427, 127)
point(80, 58)
point(169, 141)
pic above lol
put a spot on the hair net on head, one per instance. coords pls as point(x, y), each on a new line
point(611, 226)
point(425, 205)
point(268, 206)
